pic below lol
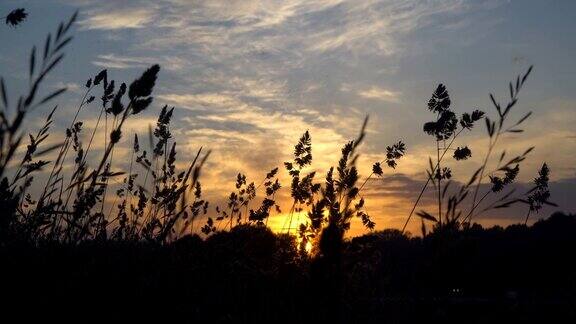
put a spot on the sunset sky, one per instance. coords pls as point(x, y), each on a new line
point(248, 77)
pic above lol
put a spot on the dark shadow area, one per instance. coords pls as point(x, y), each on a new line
point(516, 274)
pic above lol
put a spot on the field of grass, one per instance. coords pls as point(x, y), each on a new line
point(162, 248)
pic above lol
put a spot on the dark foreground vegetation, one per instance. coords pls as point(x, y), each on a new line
point(516, 274)
point(150, 247)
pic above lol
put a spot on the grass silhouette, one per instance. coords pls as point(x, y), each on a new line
point(145, 248)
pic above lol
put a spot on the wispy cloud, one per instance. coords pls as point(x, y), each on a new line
point(70, 86)
point(118, 18)
point(194, 101)
point(113, 61)
point(380, 94)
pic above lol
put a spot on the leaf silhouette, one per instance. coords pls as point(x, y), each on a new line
point(16, 16)
point(427, 216)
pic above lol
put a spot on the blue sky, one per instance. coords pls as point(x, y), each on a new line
point(248, 77)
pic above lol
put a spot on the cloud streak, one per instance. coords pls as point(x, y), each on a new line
point(380, 94)
point(118, 19)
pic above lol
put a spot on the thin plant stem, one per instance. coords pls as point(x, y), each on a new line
point(428, 181)
point(439, 183)
point(480, 178)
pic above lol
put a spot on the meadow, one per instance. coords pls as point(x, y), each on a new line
point(153, 246)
